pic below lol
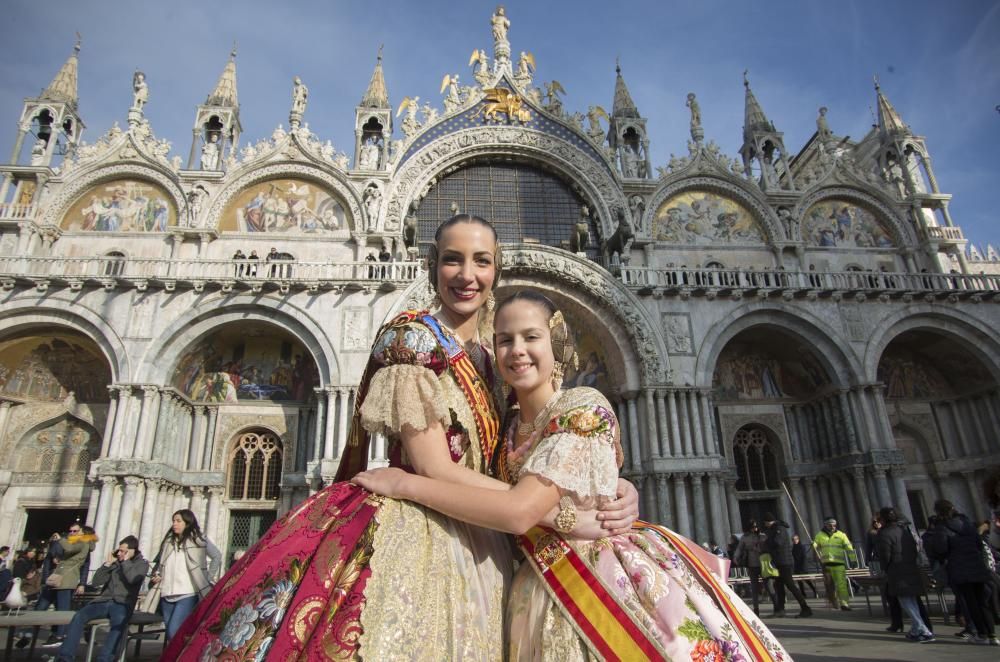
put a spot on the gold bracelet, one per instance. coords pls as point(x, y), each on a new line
point(566, 519)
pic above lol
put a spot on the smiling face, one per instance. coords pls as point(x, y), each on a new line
point(465, 268)
point(524, 347)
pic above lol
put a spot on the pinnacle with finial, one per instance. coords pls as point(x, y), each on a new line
point(63, 86)
point(888, 118)
point(224, 93)
point(376, 96)
point(622, 106)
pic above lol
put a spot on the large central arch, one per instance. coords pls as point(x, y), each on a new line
point(499, 142)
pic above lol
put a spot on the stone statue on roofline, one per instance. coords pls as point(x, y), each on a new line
point(140, 90)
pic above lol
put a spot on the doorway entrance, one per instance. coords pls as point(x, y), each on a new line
point(245, 528)
point(43, 522)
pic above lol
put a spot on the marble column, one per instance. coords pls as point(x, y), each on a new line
point(331, 424)
point(320, 429)
point(141, 442)
point(633, 434)
point(104, 507)
point(342, 420)
point(812, 499)
point(807, 441)
point(648, 495)
point(698, 509)
point(147, 529)
point(976, 414)
point(902, 500)
point(882, 486)
point(663, 500)
point(93, 501)
point(694, 416)
point(159, 441)
point(621, 411)
point(864, 398)
point(794, 441)
point(164, 509)
point(849, 429)
point(709, 436)
point(210, 441)
point(684, 413)
point(855, 517)
point(677, 445)
point(212, 516)
point(114, 406)
point(127, 516)
point(831, 427)
point(717, 508)
point(199, 503)
point(801, 508)
point(194, 450)
point(861, 492)
point(681, 504)
point(663, 438)
point(735, 520)
point(652, 437)
point(889, 440)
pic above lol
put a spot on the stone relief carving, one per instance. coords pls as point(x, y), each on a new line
point(854, 322)
point(677, 331)
point(357, 326)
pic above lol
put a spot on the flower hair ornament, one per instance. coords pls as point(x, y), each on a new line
point(562, 348)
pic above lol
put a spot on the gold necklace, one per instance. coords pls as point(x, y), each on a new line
point(525, 429)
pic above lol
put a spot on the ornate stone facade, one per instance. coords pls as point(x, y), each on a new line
point(861, 358)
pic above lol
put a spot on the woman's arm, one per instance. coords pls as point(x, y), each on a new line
point(514, 511)
point(214, 560)
point(429, 455)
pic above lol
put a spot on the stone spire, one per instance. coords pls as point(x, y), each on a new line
point(376, 96)
point(224, 93)
point(888, 119)
point(623, 105)
point(63, 86)
point(754, 119)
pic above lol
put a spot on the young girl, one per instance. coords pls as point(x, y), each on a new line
point(645, 594)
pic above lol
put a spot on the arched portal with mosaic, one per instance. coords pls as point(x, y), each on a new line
point(251, 361)
point(843, 223)
point(125, 204)
point(51, 364)
point(292, 206)
point(57, 450)
point(706, 218)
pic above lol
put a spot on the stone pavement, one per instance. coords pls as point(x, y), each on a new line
point(855, 636)
point(830, 635)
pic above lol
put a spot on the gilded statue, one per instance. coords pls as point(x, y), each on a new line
point(503, 100)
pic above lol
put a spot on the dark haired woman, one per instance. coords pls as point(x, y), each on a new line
point(347, 574)
point(186, 567)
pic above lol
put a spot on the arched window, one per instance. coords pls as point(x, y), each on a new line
point(756, 463)
point(255, 466)
point(524, 203)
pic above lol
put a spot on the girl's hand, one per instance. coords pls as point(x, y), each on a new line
point(387, 482)
point(617, 516)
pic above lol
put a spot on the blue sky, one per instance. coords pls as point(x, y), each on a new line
point(939, 64)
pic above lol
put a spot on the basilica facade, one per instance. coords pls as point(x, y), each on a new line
point(797, 332)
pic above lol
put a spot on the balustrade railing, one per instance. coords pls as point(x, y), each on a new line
point(741, 279)
point(953, 233)
point(13, 212)
point(251, 271)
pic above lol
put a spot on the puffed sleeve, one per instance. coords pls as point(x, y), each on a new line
point(577, 453)
point(405, 389)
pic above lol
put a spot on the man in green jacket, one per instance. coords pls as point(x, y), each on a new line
point(833, 546)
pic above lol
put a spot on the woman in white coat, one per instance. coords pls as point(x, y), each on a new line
point(184, 570)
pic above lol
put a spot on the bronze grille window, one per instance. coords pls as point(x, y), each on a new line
point(524, 203)
point(756, 464)
point(255, 467)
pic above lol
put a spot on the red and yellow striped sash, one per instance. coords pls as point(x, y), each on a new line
point(594, 612)
point(713, 585)
point(480, 399)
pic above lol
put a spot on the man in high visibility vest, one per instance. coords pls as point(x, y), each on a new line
point(833, 546)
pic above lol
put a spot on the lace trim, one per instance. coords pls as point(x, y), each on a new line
point(581, 466)
point(401, 395)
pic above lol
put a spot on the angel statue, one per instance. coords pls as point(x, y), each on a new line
point(482, 73)
point(525, 68)
point(595, 130)
point(299, 95)
point(453, 99)
point(553, 103)
point(140, 90)
point(410, 123)
point(430, 114)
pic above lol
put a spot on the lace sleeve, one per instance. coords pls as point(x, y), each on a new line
point(579, 460)
point(403, 395)
point(405, 390)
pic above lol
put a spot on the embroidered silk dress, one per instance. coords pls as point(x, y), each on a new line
point(347, 575)
point(658, 579)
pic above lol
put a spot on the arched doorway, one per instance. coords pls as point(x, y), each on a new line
point(944, 410)
point(756, 454)
point(253, 468)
